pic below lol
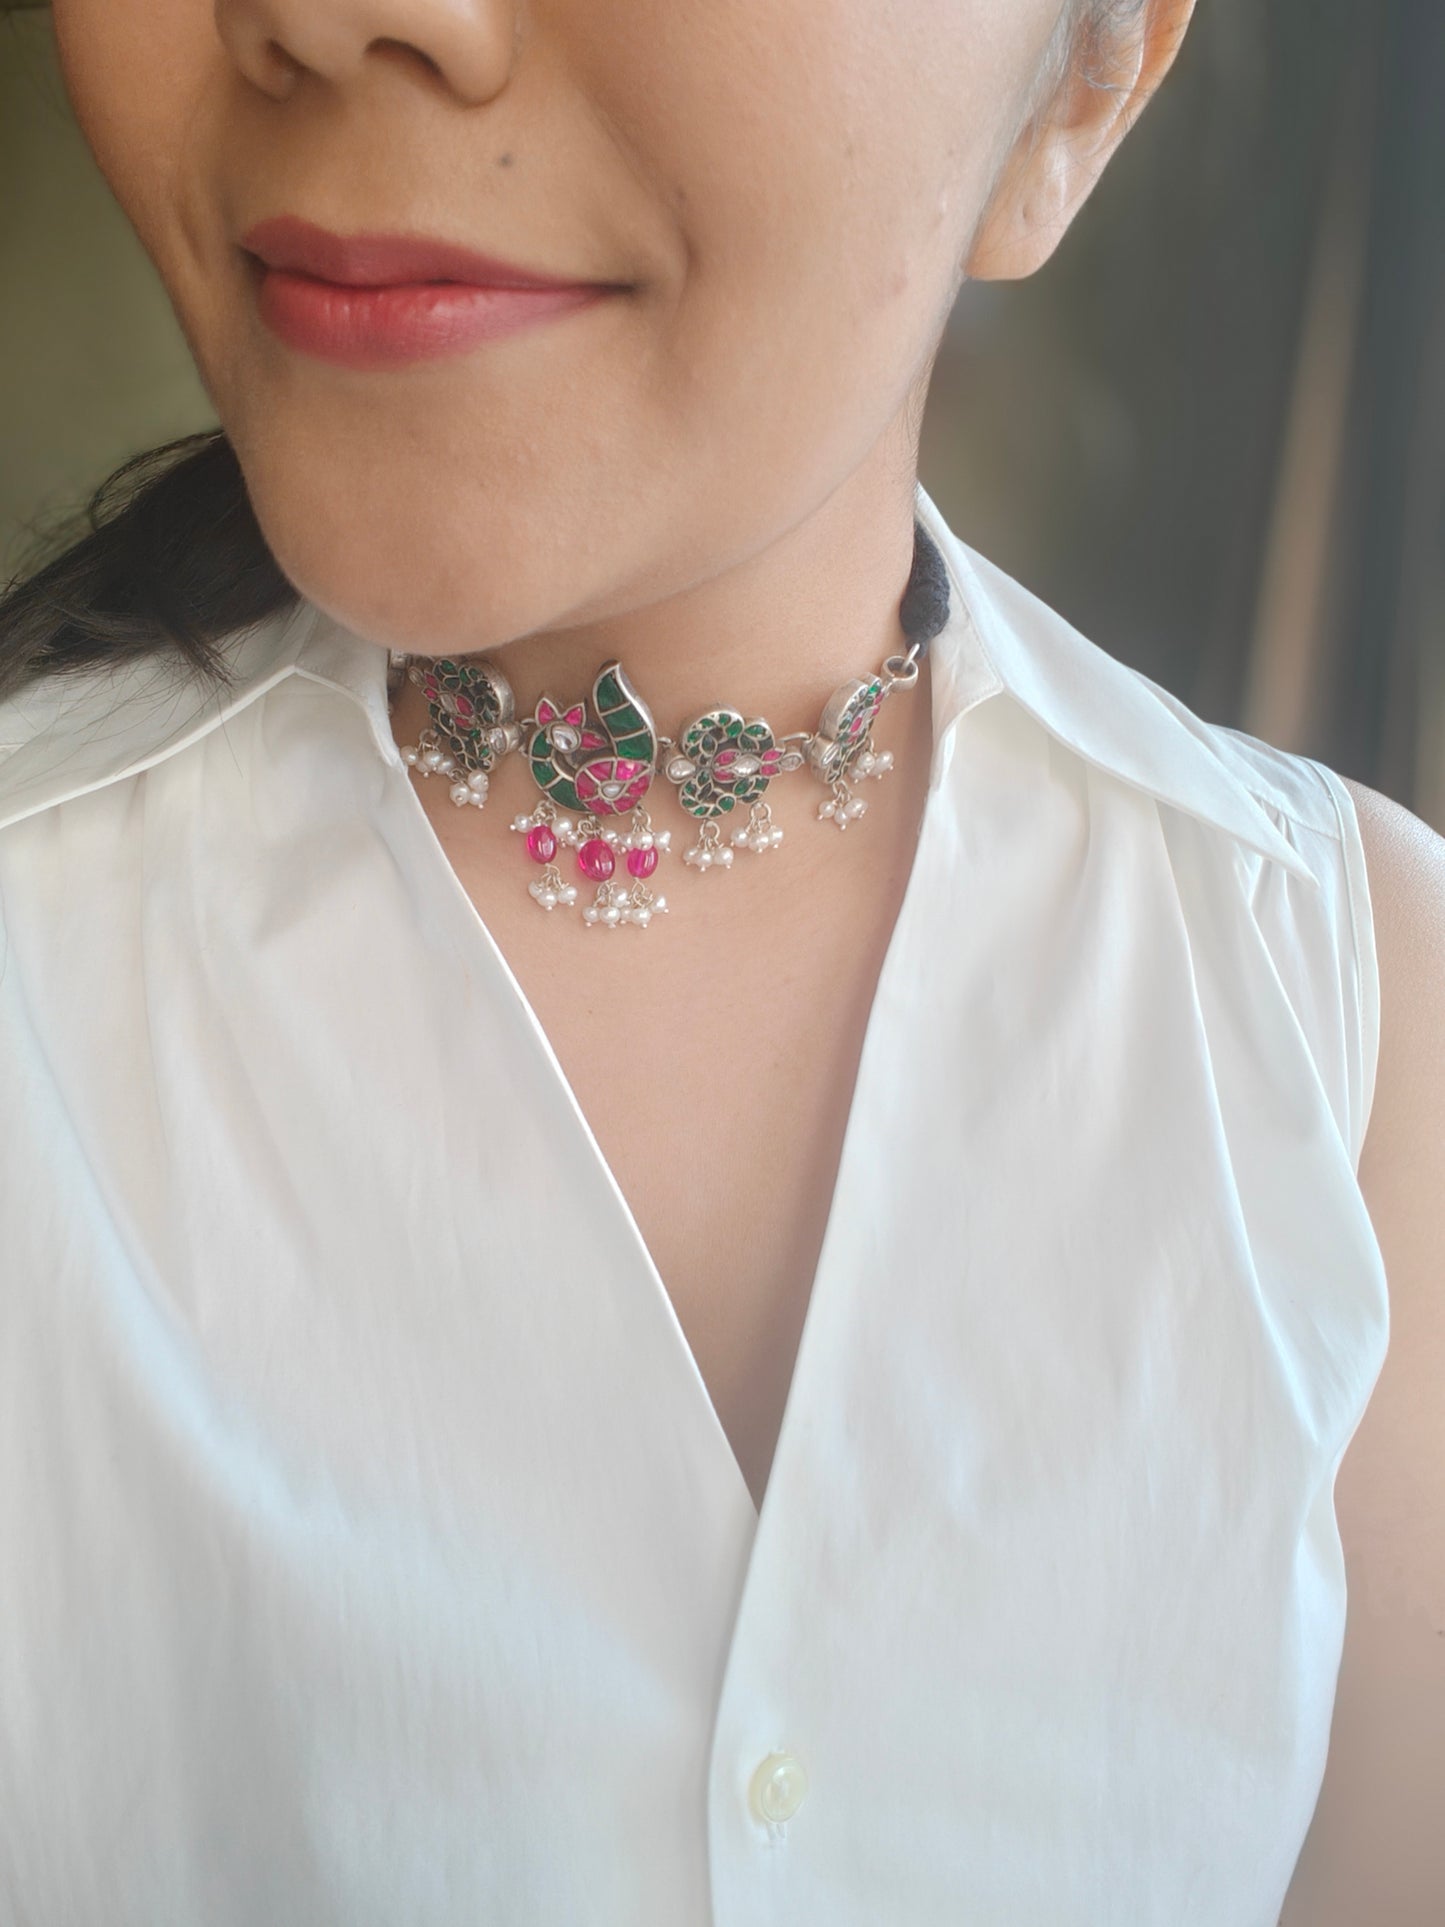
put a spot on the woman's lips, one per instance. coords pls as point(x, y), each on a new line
point(389, 327)
point(377, 301)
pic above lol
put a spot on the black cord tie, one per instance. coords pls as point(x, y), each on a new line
point(924, 608)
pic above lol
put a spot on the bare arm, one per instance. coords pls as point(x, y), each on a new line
point(1376, 1848)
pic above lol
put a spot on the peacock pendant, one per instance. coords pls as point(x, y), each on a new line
point(841, 749)
point(600, 766)
point(473, 723)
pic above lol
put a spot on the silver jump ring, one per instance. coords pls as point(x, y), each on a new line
point(902, 671)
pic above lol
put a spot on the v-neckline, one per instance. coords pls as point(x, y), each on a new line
point(844, 1180)
point(360, 669)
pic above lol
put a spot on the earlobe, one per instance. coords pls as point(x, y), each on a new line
point(1026, 219)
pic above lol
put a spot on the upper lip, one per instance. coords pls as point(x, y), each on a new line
point(385, 260)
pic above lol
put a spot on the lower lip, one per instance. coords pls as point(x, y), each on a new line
point(414, 321)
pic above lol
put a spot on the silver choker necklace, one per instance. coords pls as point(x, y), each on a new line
point(594, 765)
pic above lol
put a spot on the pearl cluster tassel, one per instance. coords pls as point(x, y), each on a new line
point(760, 832)
point(551, 888)
point(842, 806)
point(709, 849)
point(612, 908)
point(473, 790)
point(469, 787)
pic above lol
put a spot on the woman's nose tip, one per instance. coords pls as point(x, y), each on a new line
point(466, 44)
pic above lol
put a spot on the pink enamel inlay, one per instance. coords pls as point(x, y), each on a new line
point(541, 843)
point(641, 863)
point(595, 859)
point(633, 776)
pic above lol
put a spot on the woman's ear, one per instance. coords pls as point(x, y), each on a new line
point(1065, 145)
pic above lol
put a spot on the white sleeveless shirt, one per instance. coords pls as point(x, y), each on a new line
point(370, 1552)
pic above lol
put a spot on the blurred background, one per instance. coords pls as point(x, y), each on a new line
point(1211, 432)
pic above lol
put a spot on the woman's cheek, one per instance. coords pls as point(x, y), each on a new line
point(136, 72)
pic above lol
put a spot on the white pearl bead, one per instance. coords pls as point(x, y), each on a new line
point(775, 837)
point(433, 759)
point(477, 779)
point(408, 755)
point(658, 903)
point(724, 856)
point(643, 840)
point(562, 829)
point(568, 893)
point(521, 822)
point(740, 837)
point(662, 840)
point(591, 913)
point(460, 794)
point(883, 760)
point(610, 913)
point(856, 806)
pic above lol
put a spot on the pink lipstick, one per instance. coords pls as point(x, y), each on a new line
point(376, 301)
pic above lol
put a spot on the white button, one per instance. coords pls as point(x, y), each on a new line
point(779, 1787)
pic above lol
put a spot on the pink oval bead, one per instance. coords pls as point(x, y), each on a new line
point(641, 863)
point(596, 860)
point(541, 843)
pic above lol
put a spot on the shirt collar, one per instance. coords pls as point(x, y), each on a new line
point(67, 735)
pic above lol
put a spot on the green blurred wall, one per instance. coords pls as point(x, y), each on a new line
point(92, 365)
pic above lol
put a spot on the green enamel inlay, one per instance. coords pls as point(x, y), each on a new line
point(548, 776)
point(620, 713)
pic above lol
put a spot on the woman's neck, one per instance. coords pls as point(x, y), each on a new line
point(772, 636)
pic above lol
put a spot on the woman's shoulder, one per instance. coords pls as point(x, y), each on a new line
point(1402, 862)
point(1263, 842)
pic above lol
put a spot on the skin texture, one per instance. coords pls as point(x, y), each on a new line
point(711, 477)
